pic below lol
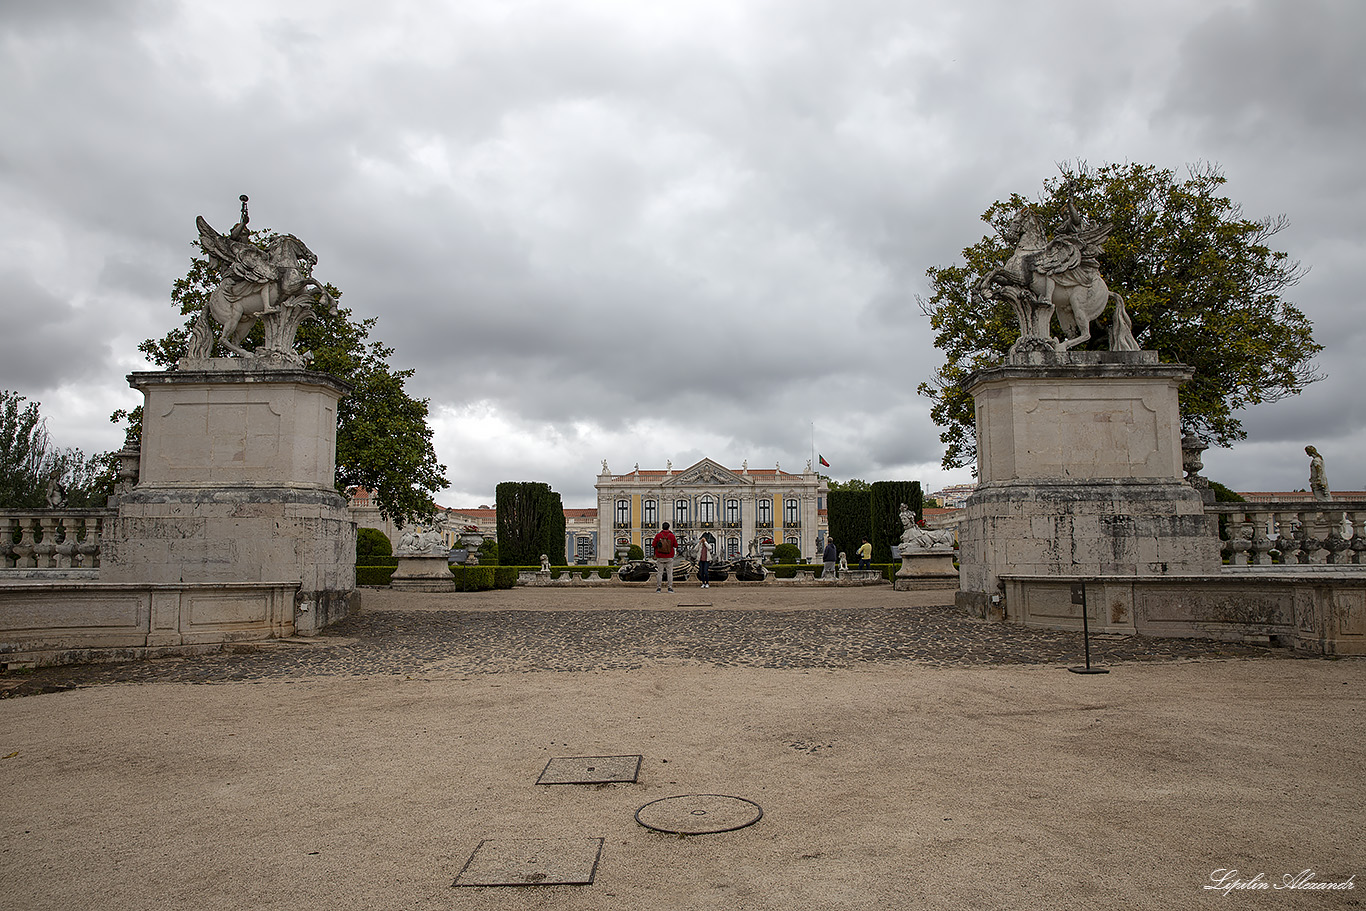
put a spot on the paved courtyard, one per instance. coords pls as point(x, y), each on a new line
point(903, 755)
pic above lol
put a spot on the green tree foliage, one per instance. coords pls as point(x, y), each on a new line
point(787, 553)
point(488, 552)
point(28, 461)
point(1199, 280)
point(634, 552)
point(849, 517)
point(884, 507)
point(371, 542)
point(530, 523)
point(384, 442)
point(851, 484)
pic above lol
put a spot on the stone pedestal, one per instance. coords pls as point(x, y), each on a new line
point(925, 570)
point(236, 484)
point(1079, 467)
point(422, 573)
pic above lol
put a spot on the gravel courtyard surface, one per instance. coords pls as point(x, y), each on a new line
point(903, 757)
point(601, 629)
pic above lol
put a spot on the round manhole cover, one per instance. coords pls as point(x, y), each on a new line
point(699, 814)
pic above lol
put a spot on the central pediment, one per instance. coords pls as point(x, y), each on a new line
point(705, 472)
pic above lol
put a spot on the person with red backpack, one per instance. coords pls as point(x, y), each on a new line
point(665, 545)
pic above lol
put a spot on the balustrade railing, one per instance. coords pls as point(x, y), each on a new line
point(1293, 532)
point(52, 538)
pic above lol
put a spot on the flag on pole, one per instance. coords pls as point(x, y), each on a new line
point(823, 462)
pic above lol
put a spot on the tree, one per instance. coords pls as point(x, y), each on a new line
point(384, 442)
point(530, 523)
point(28, 462)
point(851, 484)
point(849, 517)
point(1199, 280)
point(884, 507)
point(787, 553)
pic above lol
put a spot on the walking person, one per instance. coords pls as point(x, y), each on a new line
point(665, 545)
point(831, 556)
point(704, 562)
point(865, 555)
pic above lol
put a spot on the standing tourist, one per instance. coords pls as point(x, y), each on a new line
point(831, 556)
point(704, 563)
point(865, 555)
point(665, 544)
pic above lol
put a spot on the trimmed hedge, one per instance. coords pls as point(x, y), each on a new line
point(373, 560)
point(849, 520)
point(374, 575)
point(885, 499)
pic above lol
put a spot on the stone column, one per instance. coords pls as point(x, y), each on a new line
point(236, 484)
point(1079, 467)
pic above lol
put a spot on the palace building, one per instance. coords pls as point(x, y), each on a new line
point(731, 507)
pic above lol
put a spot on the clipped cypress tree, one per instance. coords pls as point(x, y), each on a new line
point(530, 523)
point(885, 499)
point(849, 519)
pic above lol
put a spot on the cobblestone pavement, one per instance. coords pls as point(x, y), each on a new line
point(438, 641)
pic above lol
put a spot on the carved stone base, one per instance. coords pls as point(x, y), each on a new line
point(423, 573)
point(926, 570)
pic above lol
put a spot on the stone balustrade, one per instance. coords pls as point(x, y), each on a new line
point(52, 538)
point(1293, 532)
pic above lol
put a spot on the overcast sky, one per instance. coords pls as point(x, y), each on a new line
point(640, 231)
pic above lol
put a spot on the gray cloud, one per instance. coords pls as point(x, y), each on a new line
point(551, 206)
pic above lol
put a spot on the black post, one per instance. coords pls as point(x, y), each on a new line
point(1079, 597)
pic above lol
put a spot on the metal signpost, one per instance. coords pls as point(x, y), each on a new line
point(1079, 597)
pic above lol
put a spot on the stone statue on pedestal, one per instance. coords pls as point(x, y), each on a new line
point(1063, 274)
point(273, 283)
point(913, 536)
point(1318, 478)
point(423, 541)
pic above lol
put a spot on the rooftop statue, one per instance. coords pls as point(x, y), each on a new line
point(1318, 478)
point(1062, 274)
point(273, 283)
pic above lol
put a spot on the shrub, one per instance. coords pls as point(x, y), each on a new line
point(849, 519)
point(504, 577)
point(488, 552)
point(374, 575)
point(635, 553)
point(377, 561)
point(787, 553)
point(885, 499)
point(473, 578)
point(371, 542)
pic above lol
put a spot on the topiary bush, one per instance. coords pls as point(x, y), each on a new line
point(635, 553)
point(787, 553)
point(371, 542)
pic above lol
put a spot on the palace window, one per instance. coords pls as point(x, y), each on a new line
point(680, 512)
point(649, 510)
point(765, 511)
point(733, 512)
point(624, 512)
point(706, 509)
point(791, 511)
point(733, 547)
point(585, 548)
point(793, 539)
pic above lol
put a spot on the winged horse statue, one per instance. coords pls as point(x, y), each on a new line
point(1063, 275)
point(274, 284)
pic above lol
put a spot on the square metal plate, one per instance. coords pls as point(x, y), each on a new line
point(590, 769)
point(532, 862)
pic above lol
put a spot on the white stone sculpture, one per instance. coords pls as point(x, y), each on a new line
point(1063, 273)
point(274, 284)
point(429, 540)
point(604, 467)
point(844, 563)
point(55, 494)
point(1318, 478)
point(545, 564)
point(918, 538)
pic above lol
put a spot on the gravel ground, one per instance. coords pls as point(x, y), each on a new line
point(904, 757)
